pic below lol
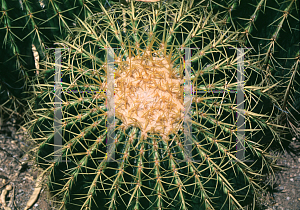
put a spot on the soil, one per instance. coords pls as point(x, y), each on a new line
point(285, 194)
point(17, 170)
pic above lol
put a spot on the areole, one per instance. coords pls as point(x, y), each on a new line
point(148, 93)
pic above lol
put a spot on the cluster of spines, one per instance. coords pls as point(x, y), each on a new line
point(27, 26)
point(271, 29)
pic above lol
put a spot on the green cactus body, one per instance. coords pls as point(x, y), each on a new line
point(149, 105)
point(271, 28)
point(24, 24)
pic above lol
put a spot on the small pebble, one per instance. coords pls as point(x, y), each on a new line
point(8, 187)
point(36, 205)
point(288, 198)
point(299, 160)
point(292, 179)
point(281, 188)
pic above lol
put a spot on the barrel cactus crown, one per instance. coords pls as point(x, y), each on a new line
point(127, 149)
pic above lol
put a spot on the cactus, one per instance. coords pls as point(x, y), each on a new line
point(25, 25)
point(147, 165)
point(271, 28)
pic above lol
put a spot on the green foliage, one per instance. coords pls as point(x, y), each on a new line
point(148, 174)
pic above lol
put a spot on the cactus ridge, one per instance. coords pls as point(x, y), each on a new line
point(27, 26)
point(271, 28)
